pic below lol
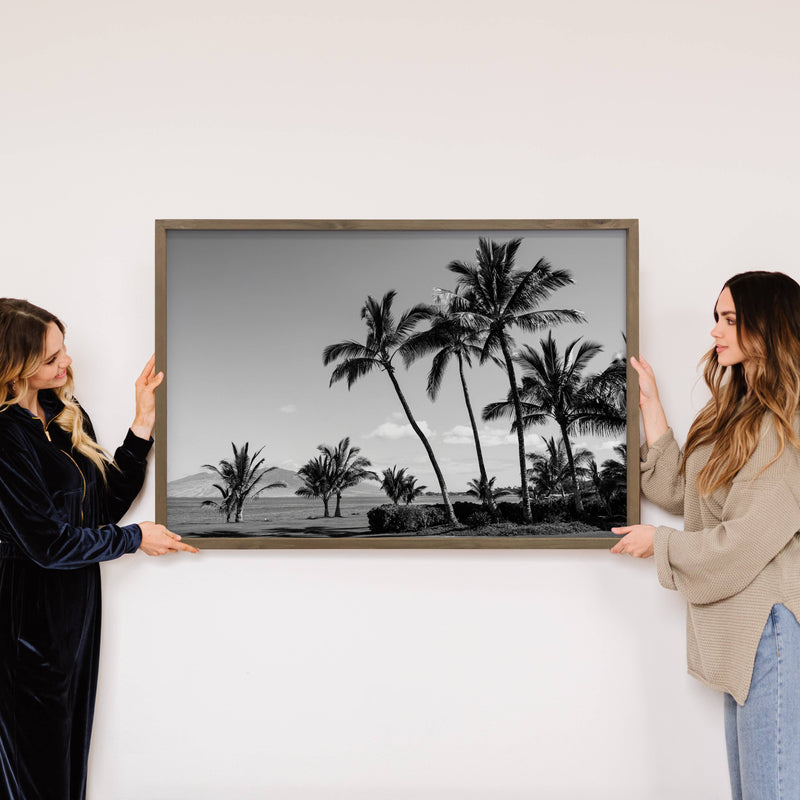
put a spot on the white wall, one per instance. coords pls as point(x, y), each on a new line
point(394, 675)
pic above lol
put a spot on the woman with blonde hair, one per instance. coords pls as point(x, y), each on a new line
point(61, 498)
point(737, 483)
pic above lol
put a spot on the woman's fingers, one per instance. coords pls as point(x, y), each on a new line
point(637, 540)
point(148, 379)
point(154, 381)
point(642, 367)
point(158, 540)
point(177, 544)
point(149, 368)
point(619, 547)
point(183, 546)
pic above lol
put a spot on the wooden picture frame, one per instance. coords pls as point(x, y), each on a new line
point(245, 310)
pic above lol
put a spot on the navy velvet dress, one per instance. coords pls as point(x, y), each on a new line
point(57, 522)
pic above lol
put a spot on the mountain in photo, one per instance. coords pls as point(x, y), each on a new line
point(201, 485)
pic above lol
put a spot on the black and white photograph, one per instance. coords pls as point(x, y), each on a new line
point(380, 384)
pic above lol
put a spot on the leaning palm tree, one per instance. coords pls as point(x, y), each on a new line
point(554, 387)
point(347, 468)
point(385, 339)
point(496, 298)
point(451, 335)
point(240, 476)
point(318, 481)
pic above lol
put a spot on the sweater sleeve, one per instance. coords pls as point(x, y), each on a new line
point(662, 481)
point(31, 522)
point(760, 517)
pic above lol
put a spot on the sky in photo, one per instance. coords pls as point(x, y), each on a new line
point(250, 312)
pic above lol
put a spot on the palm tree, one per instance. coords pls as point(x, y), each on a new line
point(392, 483)
point(614, 477)
point(484, 490)
point(399, 486)
point(347, 468)
point(451, 335)
point(594, 476)
point(410, 489)
point(318, 480)
point(240, 476)
point(385, 339)
point(554, 387)
point(552, 471)
point(496, 298)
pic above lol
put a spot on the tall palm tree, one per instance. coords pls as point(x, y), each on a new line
point(318, 481)
point(498, 297)
point(385, 339)
point(554, 386)
point(452, 335)
point(347, 468)
point(240, 476)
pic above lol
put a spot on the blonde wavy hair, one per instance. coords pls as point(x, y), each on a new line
point(768, 331)
point(23, 329)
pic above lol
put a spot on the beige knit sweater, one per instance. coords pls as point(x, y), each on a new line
point(738, 556)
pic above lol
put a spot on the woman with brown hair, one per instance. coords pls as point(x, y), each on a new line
point(737, 483)
point(61, 497)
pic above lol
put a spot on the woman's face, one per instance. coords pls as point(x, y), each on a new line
point(724, 332)
point(53, 372)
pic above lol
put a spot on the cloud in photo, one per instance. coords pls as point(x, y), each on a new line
point(396, 427)
point(394, 430)
point(490, 437)
point(291, 408)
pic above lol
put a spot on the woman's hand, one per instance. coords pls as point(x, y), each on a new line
point(653, 416)
point(637, 540)
point(146, 385)
point(158, 540)
point(648, 389)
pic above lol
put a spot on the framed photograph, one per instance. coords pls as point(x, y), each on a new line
point(397, 383)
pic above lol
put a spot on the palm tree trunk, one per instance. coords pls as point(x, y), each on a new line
point(325, 503)
point(526, 500)
point(338, 511)
point(576, 492)
point(489, 499)
point(448, 506)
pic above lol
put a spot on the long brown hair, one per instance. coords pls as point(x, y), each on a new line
point(23, 329)
point(768, 331)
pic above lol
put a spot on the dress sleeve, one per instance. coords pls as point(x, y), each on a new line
point(125, 477)
point(760, 516)
point(662, 481)
point(32, 523)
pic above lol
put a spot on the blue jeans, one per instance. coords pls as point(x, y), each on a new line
point(763, 735)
